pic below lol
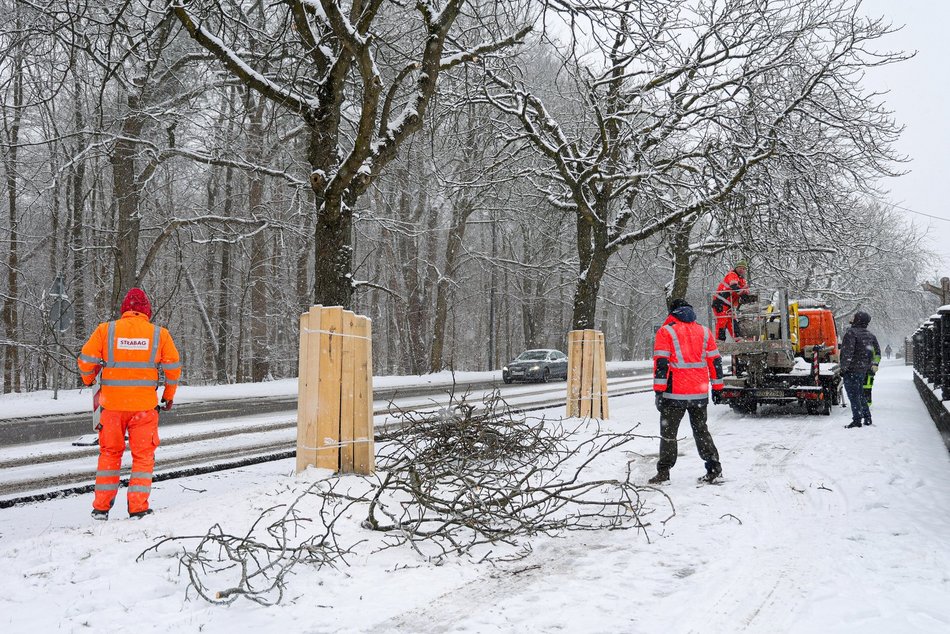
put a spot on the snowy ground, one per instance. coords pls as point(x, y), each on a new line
point(816, 529)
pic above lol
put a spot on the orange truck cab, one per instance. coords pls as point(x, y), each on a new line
point(816, 326)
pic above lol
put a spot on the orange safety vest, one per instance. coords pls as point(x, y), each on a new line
point(685, 361)
point(130, 352)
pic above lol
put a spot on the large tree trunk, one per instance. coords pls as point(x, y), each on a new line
point(76, 200)
point(593, 256)
point(682, 263)
point(224, 285)
point(12, 117)
point(127, 192)
point(260, 349)
point(443, 292)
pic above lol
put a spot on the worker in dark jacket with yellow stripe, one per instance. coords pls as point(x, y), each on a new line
point(129, 353)
point(860, 354)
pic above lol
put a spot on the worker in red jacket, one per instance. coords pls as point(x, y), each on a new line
point(685, 363)
point(129, 352)
point(726, 300)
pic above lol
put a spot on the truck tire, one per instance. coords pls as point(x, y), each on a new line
point(744, 406)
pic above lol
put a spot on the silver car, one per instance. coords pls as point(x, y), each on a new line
point(536, 365)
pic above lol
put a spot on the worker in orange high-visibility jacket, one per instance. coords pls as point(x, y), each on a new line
point(128, 355)
point(686, 363)
point(729, 294)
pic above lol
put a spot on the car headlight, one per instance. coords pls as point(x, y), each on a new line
point(535, 368)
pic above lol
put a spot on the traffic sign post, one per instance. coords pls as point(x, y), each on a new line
point(942, 291)
point(61, 313)
point(61, 318)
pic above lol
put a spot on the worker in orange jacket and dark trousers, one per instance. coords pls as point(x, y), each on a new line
point(727, 298)
point(686, 362)
point(129, 352)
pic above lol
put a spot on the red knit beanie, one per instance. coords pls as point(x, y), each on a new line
point(137, 300)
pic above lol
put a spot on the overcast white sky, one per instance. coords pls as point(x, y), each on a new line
point(920, 98)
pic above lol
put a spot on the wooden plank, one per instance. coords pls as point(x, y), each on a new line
point(328, 388)
point(347, 391)
point(302, 394)
point(587, 365)
point(597, 360)
point(574, 354)
point(308, 377)
point(604, 409)
point(364, 451)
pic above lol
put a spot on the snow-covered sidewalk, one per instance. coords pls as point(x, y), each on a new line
point(817, 528)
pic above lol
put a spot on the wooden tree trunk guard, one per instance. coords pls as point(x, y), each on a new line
point(335, 391)
point(586, 374)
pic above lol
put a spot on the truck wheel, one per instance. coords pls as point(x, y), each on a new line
point(744, 406)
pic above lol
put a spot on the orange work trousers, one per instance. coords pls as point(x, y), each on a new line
point(725, 323)
point(142, 429)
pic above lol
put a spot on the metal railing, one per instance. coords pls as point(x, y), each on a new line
point(930, 351)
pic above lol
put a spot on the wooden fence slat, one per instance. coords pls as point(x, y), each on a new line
point(364, 452)
point(309, 376)
point(597, 360)
point(331, 367)
point(347, 393)
point(303, 397)
point(587, 365)
point(602, 369)
point(574, 354)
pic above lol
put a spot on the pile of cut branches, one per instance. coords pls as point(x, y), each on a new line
point(477, 475)
point(473, 479)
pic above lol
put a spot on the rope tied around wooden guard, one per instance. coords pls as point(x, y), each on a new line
point(333, 333)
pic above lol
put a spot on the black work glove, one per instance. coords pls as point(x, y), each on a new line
point(717, 397)
point(718, 305)
point(166, 405)
point(659, 401)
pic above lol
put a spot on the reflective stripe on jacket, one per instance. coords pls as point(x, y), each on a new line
point(129, 352)
point(686, 361)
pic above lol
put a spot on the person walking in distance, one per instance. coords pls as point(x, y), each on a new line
point(860, 353)
point(685, 363)
point(730, 293)
point(128, 354)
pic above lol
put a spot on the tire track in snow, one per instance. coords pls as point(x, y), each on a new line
point(767, 582)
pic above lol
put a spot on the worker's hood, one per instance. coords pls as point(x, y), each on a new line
point(861, 319)
point(684, 313)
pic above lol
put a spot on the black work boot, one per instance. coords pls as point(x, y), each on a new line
point(855, 423)
point(662, 475)
point(710, 477)
point(867, 421)
point(141, 514)
point(100, 515)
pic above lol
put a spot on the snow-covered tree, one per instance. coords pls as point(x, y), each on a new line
point(676, 103)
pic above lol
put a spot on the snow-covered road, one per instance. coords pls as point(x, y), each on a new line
point(817, 528)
